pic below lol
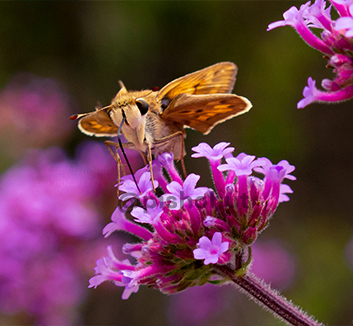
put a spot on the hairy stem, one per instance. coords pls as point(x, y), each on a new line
point(269, 298)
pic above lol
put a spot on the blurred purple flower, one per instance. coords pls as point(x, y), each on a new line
point(49, 210)
point(197, 305)
point(33, 113)
point(349, 253)
point(335, 41)
point(273, 264)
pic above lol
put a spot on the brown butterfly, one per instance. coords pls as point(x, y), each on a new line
point(153, 121)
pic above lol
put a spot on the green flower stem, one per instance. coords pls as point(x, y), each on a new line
point(269, 298)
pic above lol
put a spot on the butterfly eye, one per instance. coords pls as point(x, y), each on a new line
point(142, 105)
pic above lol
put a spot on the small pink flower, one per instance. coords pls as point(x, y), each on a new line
point(243, 164)
point(211, 250)
point(213, 154)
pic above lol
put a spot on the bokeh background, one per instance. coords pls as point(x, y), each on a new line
point(60, 58)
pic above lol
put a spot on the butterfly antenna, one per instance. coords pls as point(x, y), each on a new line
point(123, 151)
point(78, 116)
point(147, 94)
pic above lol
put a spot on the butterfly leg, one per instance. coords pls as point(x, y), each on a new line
point(116, 156)
point(117, 160)
point(170, 138)
point(182, 154)
point(149, 159)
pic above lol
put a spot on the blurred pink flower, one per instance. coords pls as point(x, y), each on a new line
point(198, 304)
point(349, 253)
point(49, 219)
point(273, 264)
point(34, 112)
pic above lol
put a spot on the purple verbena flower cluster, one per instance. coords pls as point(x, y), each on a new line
point(188, 230)
point(33, 113)
point(49, 219)
point(335, 41)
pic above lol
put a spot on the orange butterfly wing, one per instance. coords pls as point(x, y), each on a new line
point(219, 78)
point(98, 124)
point(203, 112)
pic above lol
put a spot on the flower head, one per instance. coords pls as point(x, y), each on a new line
point(192, 229)
point(335, 41)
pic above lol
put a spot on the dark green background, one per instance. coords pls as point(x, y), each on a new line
point(89, 46)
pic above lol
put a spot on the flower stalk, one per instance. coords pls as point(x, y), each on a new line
point(269, 298)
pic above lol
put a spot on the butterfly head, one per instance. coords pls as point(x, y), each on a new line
point(133, 109)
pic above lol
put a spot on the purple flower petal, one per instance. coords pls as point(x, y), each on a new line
point(108, 269)
point(309, 94)
point(318, 16)
point(243, 164)
point(276, 172)
point(290, 18)
point(129, 186)
point(284, 189)
point(152, 212)
point(342, 6)
point(213, 154)
point(295, 18)
point(190, 184)
point(345, 23)
point(165, 159)
point(130, 280)
point(119, 222)
point(183, 192)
